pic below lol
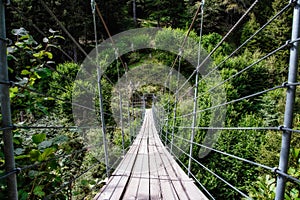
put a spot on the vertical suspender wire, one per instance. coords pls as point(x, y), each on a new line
point(144, 107)
point(176, 99)
point(290, 101)
point(133, 114)
point(166, 124)
point(122, 123)
point(100, 94)
point(196, 94)
point(6, 111)
point(128, 110)
point(129, 121)
point(120, 104)
point(168, 111)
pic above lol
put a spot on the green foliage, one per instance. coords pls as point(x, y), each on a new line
point(31, 69)
point(264, 186)
point(61, 86)
point(49, 155)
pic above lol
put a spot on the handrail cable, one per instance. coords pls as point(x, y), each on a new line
point(288, 43)
point(213, 173)
point(250, 38)
point(273, 169)
point(220, 43)
point(236, 100)
point(246, 41)
point(228, 154)
point(232, 128)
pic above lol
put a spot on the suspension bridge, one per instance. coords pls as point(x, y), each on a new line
point(148, 171)
point(151, 168)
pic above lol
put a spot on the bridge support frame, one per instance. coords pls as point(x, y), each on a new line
point(290, 100)
point(6, 110)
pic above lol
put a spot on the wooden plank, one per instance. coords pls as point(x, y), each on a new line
point(134, 181)
point(122, 172)
point(120, 190)
point(148, 171)
point(144, 185)
point(116, 184)
point(155, 189)
point(175, 178)
point(167, 191)
point(184, 186)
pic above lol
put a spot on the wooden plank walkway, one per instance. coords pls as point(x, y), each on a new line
point(148, 171)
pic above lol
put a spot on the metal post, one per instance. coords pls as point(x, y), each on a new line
point(133, 117)
point(194, 122)
point(129, 120)
point(144, 106)
point(122, 125)
point(173, 125)
point(176, 99)
point(103, 123)
point(290, 100)
point(103, 127)
point(134, 12)
point(167, 121)
point(6, 112)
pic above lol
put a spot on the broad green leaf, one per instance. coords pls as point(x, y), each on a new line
point(84, 182)
point(49, 55)
point(37, 75)
point(22, 157)
point(34, 154)
point(11, 57)
point(25, 72)
point(38, 55)
point(17, 141)
point(19, 44)
point(23, 195)
point(46, 154)
point(13, 91)
point(38, 191)
point(38, 138)
point(59, 36)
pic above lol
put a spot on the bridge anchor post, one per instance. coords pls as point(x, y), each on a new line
point(289, 106)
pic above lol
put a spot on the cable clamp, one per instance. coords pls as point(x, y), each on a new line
point(275, 169)
point(12, 84)
point(294, 2)
point(280, 128)
point(289, 43)
point(18, 170)
point(285, 85)
point(93, 5)
point(13, 127)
